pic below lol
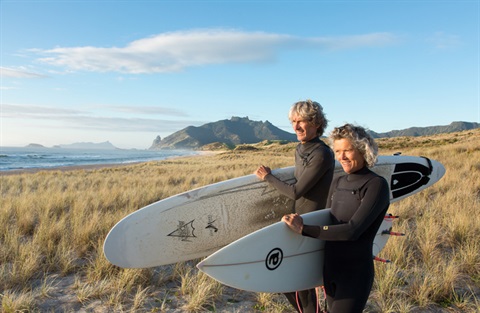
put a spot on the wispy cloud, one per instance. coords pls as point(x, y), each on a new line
point(175, 51)
point(444, 41)
point(126, 124)
point(150, 110)
point(18, 73)
point(34, 111)
point(352, 42)
point(72, 118)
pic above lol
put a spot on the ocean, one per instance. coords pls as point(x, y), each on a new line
point(15, 158)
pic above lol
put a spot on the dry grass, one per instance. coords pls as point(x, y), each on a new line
point(53, 223)
point(437, 265)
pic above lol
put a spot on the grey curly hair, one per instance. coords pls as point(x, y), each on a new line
point(361, 140)
point(310, 111)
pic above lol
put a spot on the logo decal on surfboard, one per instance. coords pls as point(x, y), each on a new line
point(274, 259)
point(408, 177)
point(184, 231)
point(213, 228)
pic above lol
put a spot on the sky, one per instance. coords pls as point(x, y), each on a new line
point(129, 71)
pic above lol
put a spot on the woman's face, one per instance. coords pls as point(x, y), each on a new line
point(349, 157)
point(305, 131)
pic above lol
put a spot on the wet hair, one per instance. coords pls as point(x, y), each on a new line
point(360, 139)
point(310, 111)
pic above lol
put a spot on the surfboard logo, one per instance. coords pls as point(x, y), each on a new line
point(274, 259)
point(213, 228)
point(408, 177)
point(185, 231)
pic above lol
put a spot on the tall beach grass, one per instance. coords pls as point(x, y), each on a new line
point(53, 224)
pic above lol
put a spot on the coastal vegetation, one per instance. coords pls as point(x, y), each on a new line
point(53, 224)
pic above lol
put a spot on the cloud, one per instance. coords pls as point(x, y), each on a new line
point(13, 73)
point(71, 118)
point(34, 111)
point(444, 41)
point(150, 110)
point(175, 51)
point(126, 124)
point(351, 42)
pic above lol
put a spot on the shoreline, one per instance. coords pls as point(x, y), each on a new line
point(97, 166)
point(65, 168)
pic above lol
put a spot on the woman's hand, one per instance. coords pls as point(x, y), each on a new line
point(294, 221)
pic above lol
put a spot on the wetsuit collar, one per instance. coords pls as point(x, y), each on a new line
point(314, 140)
point(356, 175)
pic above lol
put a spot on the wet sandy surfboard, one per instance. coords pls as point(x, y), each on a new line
point(275, 259)
point(196, 223)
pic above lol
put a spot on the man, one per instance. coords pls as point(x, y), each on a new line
point(314, 166)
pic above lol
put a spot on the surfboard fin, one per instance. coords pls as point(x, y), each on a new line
point(376, 258)
point(392, 233)
point(391, 217)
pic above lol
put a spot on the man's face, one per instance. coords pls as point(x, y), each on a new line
point(305, 130)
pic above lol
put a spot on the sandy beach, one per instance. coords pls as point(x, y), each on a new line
point(97, 166)
point(62, 168)
point(62, 297)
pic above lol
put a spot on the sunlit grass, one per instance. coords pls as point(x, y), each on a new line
point(53, 224)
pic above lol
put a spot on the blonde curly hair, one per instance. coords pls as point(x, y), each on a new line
point(360, 139)
point(310, 111)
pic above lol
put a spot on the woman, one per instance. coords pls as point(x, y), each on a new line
point(314, 166)
point(358, 202)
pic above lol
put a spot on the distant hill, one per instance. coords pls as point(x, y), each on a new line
point(427, 131)
point(89, 145)
point(240, 130)
point(237, 130)
point(34, 145)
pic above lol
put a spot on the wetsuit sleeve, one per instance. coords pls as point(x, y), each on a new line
point(318, 165)
point(375, 201)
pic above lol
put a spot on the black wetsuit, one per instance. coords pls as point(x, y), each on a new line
point(314, 167)
point(359, 202)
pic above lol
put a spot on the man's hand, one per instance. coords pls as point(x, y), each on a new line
point(262, 171)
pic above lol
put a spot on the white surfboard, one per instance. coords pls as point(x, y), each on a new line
point(276, 259)
point(197, 223)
